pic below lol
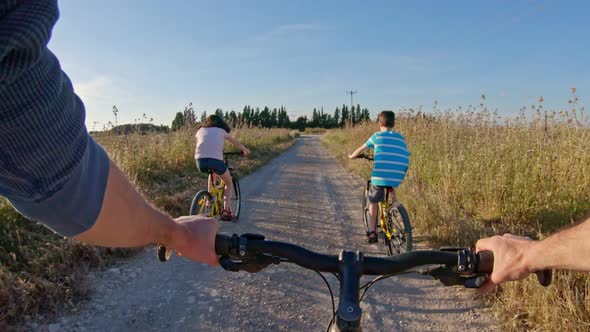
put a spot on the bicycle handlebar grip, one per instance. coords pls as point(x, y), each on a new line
point(222, 244)
point(485, 261)
point(364, 156)
point(486, 265)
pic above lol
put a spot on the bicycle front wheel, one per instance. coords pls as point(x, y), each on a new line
point(400, 229)
point(203, 203)
point(236, 199)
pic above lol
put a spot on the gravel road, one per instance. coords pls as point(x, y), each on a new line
point(303, 196)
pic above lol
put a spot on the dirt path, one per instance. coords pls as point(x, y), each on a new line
point(305, 197)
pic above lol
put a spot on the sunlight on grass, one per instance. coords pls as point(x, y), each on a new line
point(473, 174)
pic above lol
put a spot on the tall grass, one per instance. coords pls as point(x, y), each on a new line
point(473, 174)
point(162, 166)
point(41, 271)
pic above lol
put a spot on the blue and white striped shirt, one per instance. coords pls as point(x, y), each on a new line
point(392, 158)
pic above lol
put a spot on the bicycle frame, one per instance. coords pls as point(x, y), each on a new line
point(216, 189)
point(383, 214)
point(383, 209)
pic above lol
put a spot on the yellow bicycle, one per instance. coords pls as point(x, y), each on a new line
point(210, 203)
point(393, 226)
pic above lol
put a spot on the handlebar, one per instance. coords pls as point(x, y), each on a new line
point(252, 253)
point(248, 246)
point(364, 156)
point(450, 265)
point(236, 153)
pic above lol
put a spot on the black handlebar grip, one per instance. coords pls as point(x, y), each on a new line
point(486, 265)
point(222, 244)
point(485, 261)
point(545, 277)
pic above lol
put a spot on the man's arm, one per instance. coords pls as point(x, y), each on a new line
point(51, 170)
point(127, 220)
point(516, 257)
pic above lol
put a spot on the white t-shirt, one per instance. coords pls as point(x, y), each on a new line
point(210, 143)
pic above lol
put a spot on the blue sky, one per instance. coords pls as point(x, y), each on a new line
point(154, 57)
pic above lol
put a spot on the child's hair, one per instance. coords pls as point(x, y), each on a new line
point(215, 121)
point(387, 119)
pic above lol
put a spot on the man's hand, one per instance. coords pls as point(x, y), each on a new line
point(196, 239)
point(510, 258)
point(246, 151)
point(352, 156)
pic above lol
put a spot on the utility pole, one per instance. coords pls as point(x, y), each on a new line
point(351, 104)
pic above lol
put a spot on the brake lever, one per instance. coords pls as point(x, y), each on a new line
point(252, 264)
point(449, 277)
point(443, 274)
point(475, 282)
point(229, 265)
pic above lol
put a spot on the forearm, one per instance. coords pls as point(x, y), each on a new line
point(135, 221)
point(567, 249)
point(358, 151)
point(240, 146)
point(237, 144)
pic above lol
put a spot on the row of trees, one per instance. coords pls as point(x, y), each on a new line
point(277, 117)
point(340, 118)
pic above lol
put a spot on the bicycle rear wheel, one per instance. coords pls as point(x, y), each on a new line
point(400, 229)
point(203, 203)
point(236, 199)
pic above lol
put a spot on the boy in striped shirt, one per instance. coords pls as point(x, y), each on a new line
point(392, 159)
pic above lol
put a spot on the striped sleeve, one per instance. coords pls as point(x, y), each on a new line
point(51, 170)
point(371, 141)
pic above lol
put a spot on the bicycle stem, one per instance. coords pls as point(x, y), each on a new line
point(348, 317)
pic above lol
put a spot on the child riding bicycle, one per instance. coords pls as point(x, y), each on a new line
point(392, 159)
point(209, 156)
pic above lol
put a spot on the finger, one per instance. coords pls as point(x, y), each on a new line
point(211, 221)
point(487, 287)
point(483, 244)
point(181, 218)
point(488, 243)
point(213, 261)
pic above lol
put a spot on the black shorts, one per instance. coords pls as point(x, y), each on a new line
point(209, 164)
point(376, 194)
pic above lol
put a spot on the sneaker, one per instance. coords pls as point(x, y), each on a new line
point(371, 237)
point(226, 215)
